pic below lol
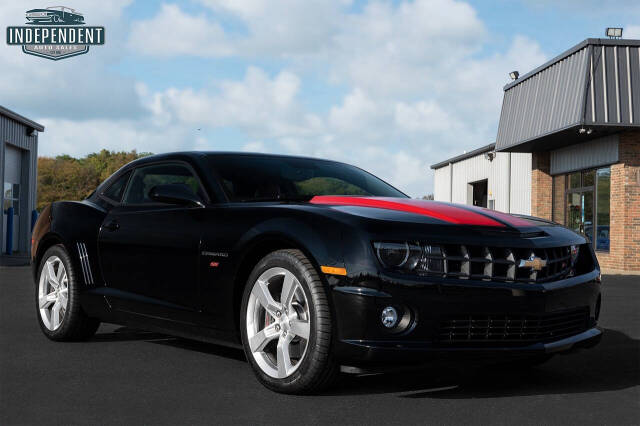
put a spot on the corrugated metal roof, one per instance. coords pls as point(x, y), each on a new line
point(595, 83)
point(464, 156)
point(21, 119)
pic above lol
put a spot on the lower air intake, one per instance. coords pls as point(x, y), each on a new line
point(509, 329)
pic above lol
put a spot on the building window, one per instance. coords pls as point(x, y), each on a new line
point(574, 180)
point(587, 205)
point(12, 197)
point(603, 197)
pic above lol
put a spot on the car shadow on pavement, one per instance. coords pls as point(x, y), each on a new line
point(612, 365)
point(126, 334)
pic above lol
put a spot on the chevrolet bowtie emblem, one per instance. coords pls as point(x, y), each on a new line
point(534, 262)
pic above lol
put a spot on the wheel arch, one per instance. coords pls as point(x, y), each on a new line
point(47, 241)
point(319, 249)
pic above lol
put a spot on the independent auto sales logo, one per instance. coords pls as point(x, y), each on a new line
point(56, 32)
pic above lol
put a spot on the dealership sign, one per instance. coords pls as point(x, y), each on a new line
point(56, 32)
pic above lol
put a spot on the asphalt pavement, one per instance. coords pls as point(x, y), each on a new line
point(125, 376)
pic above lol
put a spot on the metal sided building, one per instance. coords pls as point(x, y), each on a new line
point(18, 169)
point(484, 178)
point(578, 118)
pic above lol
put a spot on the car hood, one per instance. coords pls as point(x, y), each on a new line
point(433, 211)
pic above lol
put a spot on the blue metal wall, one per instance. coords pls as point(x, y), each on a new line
point(18, 135)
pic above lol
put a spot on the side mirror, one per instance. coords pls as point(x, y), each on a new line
point(175, 193)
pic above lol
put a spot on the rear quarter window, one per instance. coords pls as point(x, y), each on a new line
point(116, 190)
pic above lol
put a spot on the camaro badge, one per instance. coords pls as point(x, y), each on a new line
point(534, 262)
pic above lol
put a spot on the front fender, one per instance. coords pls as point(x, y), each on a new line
point(323, 248)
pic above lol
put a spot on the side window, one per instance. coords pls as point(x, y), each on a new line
point(145, 178)
point(115, 191)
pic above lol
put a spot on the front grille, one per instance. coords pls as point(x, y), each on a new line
point(496, 263)
point(516, 328)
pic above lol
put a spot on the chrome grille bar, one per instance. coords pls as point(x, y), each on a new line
point(497, 263)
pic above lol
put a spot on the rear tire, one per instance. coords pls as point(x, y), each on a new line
point(286, 325)
point(58, 309)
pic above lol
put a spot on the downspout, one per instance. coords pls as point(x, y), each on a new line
point(509, 184)
point(451, 182)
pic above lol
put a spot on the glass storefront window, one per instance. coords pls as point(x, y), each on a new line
point(588, 205)
point(603, 195)
point(574, 211)
point(574, 180)
point(588, 177)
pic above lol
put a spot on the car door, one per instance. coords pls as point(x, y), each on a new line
point(149, 251)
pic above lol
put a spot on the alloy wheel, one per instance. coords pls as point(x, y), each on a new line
point(278, 322)
point(53, 293)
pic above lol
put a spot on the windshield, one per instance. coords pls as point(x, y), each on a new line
point(256, 178)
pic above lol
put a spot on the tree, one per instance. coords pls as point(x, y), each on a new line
point(67, 178)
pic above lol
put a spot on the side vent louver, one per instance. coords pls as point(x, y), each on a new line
point(84, 261)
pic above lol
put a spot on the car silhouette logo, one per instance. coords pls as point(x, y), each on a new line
point(54, 15)
point(533, 262)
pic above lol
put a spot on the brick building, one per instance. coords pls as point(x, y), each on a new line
point(578, 117)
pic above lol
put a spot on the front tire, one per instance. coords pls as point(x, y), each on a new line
point(60, 315)
point(286, 325)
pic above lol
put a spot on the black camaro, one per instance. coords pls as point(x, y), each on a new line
point(309, 265)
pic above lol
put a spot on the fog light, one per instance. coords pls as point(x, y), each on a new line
point(389, 317)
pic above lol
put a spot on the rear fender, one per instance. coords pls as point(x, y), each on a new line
point(77, 224)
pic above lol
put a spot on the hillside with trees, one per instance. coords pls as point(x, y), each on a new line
point(68, 178)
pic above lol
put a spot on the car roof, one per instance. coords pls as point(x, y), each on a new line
point(63, 8)
point(182, 155)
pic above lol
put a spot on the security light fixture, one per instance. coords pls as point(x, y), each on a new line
point(614, 32)
point(584, 131)
point(490, 155)
point(514, 75)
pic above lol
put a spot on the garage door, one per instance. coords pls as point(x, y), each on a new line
point(12, 191)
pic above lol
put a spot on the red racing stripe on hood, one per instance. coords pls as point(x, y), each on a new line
point(436, 210)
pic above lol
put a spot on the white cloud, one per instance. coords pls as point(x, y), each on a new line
point(358, 114)
point(81, 137)
point(257, 104)
point(189, 35)
point(81, 87)
point(257, 146)
point(423, 116)
point(417, 86)
point(282, 27)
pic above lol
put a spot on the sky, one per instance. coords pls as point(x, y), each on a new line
point(389, 86)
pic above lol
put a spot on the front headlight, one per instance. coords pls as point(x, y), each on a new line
point(410, 256)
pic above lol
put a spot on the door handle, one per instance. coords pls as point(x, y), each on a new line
point(112, 226)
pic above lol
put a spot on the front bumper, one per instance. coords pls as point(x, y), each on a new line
point(361, 339)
